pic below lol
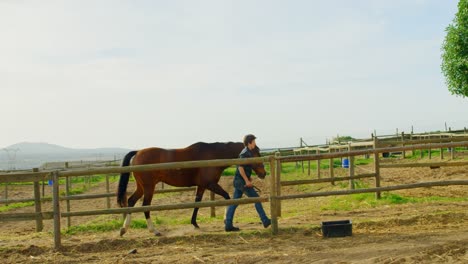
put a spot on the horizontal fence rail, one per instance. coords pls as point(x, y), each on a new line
point(165, 166)
point(423, 141)
point(26, 216)
point(373, 190)
point(105, 195)
point(24, 176)
point(425, 164)
point(298, 182)
point(168, 207)
point(93, 196)
point(44, 175)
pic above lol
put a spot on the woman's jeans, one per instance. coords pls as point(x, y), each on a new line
point(250, 192)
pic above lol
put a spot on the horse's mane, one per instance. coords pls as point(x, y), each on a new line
point(214, 144)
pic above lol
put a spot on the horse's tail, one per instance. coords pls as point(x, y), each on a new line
point(123, 181)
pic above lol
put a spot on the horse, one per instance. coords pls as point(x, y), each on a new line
point(203, 178)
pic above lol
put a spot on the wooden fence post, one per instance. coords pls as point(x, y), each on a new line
point(6, 193)
point(331, 167)
point(452, 153)
point(108, 190)
point(377, 168)
point(37, 205)
point(278, 184)
point(318, 164)
point(56, 207)
point(67, 193)
point(351, 169)
point(411, 139)
point(403, 143)
point(212, 209)
point(441, 151)
point(302, 163)
point(43, 188)
point(308, 163)
point(273, 191)
point(70, 182)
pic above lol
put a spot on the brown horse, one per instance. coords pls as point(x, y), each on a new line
point(203, 178)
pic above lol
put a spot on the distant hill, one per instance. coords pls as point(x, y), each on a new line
point(32, 147)
point(32, 154)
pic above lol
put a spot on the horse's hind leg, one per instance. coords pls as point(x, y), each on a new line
point(198, 198)
point(131, 202)
point(149, 191)
point(216, 188)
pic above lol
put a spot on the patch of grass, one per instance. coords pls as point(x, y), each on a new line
point(75, 191)
point(104, 224)
point(288, 167)
point(324, 164)
point(441, 199)
point(231, 171)
point(247, 218)
point(78, 190)
point(359, 184)
point(363, 161)
point(416, 155)
point(367, 200)
point(82, 184)
point(163, 220)
point(17, 183)
point(310, 187)
point(77, 180)
point(6, 249)
point(6, 208)
point(95, 227)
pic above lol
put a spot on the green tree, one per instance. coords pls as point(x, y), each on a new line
point(455, 52)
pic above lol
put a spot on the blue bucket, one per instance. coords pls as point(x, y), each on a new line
point(345, 163)
point(51, 182)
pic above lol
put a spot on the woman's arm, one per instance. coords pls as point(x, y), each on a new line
point(248, 183)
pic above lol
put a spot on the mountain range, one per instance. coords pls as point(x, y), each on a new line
point(27, 155)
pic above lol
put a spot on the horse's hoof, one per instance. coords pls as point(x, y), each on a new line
point(196, 226)
point(157, 233)
point(122, 231)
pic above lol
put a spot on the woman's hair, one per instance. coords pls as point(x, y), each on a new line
point(248, 139)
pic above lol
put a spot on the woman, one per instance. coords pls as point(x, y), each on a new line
point(243, 184)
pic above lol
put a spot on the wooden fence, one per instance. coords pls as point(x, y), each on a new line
point(404, 140)
point(274, 198)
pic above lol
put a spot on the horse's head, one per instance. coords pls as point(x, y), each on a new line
point(258, 167)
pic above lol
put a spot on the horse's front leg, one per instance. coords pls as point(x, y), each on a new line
point(147, 201)
point(198, 198)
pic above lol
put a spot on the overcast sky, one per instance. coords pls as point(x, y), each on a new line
point(134, 74)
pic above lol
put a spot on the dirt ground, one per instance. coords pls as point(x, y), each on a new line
point(427, 232)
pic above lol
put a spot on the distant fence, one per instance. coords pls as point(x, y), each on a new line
point(274, 198)
point(404, 140)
